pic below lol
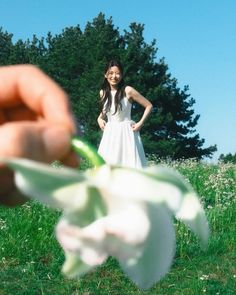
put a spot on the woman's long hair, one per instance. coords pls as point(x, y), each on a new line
point(106, 98)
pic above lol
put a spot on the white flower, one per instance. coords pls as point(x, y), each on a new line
point(114, 211)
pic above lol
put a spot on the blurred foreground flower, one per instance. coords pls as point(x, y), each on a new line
point(115, 211)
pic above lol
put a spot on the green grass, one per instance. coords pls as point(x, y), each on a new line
point(30, 257)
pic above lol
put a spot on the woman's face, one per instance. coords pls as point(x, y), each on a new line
point(113, 76)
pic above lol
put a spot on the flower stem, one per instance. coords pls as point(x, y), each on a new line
point(87, 151)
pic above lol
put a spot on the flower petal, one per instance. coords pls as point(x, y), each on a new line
point(87, 243)
point(192, 214)
point(131, 225)
point(40, 181)
point(157, 185)
point(158, 251)
point(135, 185)
point(82, 203)
point(190, 210)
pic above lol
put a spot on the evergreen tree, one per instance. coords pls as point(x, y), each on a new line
point(228, 158)
point(18, 53)
point(169, 131)
point(64, 61)
point(36, 51)
point(5, 47)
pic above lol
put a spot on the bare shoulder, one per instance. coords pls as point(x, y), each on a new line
point(129, 91)
point(133, 95)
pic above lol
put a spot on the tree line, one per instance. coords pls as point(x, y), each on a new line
point(75, 58)
point(228, 158)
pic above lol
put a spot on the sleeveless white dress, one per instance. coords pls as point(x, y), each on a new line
point(120, 145)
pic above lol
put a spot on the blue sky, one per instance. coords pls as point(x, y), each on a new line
point(197, 39)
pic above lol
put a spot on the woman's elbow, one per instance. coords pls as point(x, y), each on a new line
point(150, 106)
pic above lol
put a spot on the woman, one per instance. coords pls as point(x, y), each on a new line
point(121, 143)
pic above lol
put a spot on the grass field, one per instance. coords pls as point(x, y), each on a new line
point(30, 257)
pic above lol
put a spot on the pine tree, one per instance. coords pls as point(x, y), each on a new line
point(5, 47)
point(169, 131)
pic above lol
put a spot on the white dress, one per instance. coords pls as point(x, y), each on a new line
point(120, 145)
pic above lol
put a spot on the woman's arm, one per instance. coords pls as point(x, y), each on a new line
point(101, 117)
point(101, 121)
point(134, 95)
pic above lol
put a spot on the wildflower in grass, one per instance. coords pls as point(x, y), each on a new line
point(2, 224)
point(204, 277)
point(115, 211)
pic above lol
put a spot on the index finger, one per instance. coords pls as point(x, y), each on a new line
point(28, 85)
